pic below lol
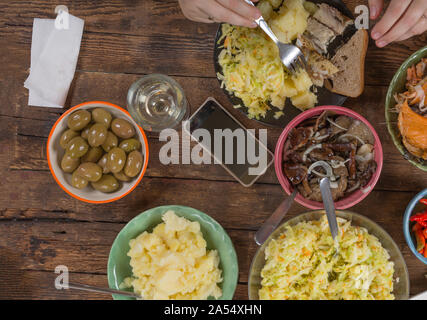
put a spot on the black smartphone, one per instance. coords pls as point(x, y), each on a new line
point(244, 156)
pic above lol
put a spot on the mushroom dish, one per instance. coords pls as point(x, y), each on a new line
point(329, 145)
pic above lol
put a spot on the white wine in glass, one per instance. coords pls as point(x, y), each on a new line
point(157, 102)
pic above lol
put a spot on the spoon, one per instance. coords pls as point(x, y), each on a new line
point(86, 287)
point(328, 202)
point(273, 221)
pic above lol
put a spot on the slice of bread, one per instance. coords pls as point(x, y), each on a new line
point(350, 61)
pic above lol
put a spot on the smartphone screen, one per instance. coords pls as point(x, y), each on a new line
point(211, 116)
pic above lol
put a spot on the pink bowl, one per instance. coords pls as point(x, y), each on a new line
point(353, 198)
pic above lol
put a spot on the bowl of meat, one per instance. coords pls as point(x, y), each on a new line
point(333, 142)
point(406, 109)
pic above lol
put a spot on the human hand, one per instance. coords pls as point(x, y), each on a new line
point(235, 12)
point(402, 20)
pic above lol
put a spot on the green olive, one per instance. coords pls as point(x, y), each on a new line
point(130, 145)
point(121, 176)
point(93, 155)
point(106, 184)
point(102, 116)
point(133, 164)
point(77, 181)
point(111, 142)
point(122, 128)
point(66, 137)
point(116, 160)
point(77, 147)
point(78, 120)
point(85, 132)
point(69, 164)
point(90, 171)
point(97, 135)
point(103, 164)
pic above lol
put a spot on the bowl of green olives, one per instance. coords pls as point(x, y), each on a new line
point(96, 152)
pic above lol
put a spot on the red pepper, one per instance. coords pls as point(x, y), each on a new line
point(421, 241)
point(425, 252)
point(423, 223)
point(425, 233)
point(422, 216)
point(423, 201)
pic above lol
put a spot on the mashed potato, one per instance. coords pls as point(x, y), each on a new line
point(173, 263)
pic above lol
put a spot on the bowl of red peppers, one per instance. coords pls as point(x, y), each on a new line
point(415, 225)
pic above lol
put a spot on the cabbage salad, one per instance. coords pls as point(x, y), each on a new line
point(251, 66)
point(301, 264)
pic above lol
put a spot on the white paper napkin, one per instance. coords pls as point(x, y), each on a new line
point(54, 54)
point(421, 296)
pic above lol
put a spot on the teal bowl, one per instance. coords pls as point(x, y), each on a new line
point(397, 85)
point(216, 238)
point(407, 224)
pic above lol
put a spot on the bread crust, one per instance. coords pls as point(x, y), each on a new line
point(355, 94)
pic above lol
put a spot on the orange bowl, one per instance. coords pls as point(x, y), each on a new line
point(55, 154)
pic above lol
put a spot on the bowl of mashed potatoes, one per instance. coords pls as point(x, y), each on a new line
point(173, 253)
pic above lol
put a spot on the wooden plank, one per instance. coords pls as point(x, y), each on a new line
point(84, 247)
point(31, 133)
point(19, 282)
point(38, 285)
point(34, 194)
point(114, 16)
point(42, 202)
point(111, 16)
point(170, 45)
point(30, 154)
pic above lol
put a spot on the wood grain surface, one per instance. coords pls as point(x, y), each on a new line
point(42, 227)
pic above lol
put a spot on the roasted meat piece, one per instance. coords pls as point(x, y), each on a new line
point(331, 17)
point(319, 34)
point(413, 128)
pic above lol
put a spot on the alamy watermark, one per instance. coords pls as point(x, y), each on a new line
point(62, 280)
point(362, 20)
point(62, 21)
point(226, 146)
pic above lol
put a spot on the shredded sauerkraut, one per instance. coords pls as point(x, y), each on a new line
point(253, 71)
point(301, 264)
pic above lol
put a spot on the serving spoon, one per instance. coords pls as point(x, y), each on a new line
point(86, 287)
point(273, 221)
point(325, 189)
point(290, 55)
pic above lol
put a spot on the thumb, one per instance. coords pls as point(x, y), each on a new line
point(375, 8)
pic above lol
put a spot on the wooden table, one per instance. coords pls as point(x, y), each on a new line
point(42, 227)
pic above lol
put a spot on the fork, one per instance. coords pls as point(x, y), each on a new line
point(291, 56)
